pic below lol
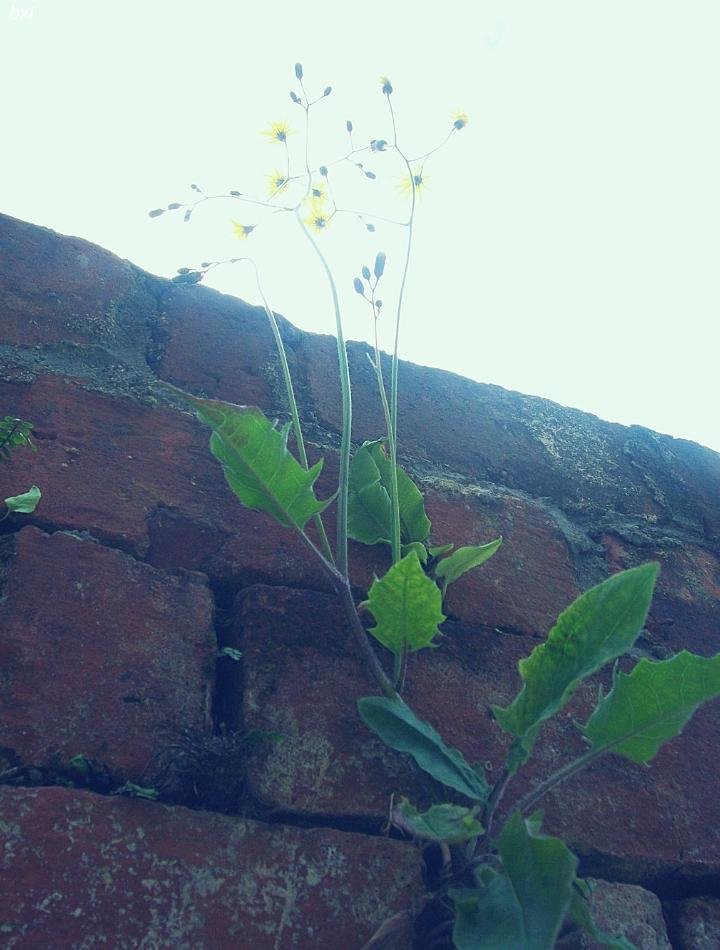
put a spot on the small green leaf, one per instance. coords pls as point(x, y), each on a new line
point(418, 547)
point(231, 653)
point(400, 729)
point(463, 560)
point(525, 904)
point(439, 549)
point(599, 626)
point(451, 823)
point(25, 503)
point(406, 605)
point(257, 464)
point(369, 506)
point(579, 912)
point(652, 703)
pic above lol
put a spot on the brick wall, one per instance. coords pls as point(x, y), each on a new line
point(139, 565)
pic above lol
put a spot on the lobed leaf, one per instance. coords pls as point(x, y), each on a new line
point(257, 464)
point(525, 904)
point(406, 605)
point(369, 505)
point(651, 704)
point(400, 729)
point(599, 626)
point(451, 823)
point(464, 560)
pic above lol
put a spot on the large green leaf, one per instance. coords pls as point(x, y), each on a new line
point(399, 727)
point(25, 503)
point(464, 560)
point(599, 626)
point(257, 464)
point(369, 505)
point(451, 823)
point(406, 605)
point(525, 904)
point(652, 703)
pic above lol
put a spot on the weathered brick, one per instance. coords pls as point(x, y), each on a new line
point(694, 923)
point(622, 910)
point(99, 655)
point(80, 869)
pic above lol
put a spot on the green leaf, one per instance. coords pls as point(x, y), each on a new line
point(599, 626)
point(418, 547)
point(406, 605)
point(131, 790)
point(439, 549)
point(369, 506)
point(25, 503)
point(651, 704)
point(257, 464)
point(400, 729)
point(463, 560)
point(524, 905)
point(579, 912)
point(13, 434)
point(231, 652)
point(451, 823)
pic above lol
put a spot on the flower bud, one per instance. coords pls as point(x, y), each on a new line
point(348, 125)
point(174, 206)
point(328, 90)
point(366, 272)
point(379, 264)
point(358, 285)
point(298, 71)
point(323, 171)
point(156, 212)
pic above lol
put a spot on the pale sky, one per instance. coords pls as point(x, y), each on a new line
point(566, 246)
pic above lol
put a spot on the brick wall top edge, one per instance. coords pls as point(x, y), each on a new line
point(586, 466)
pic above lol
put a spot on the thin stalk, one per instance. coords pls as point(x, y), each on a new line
point(342, 538)
point(566, 772)
point(493, 801)
point(297, 429)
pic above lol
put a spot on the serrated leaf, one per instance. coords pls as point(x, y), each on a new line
point(25, 503)
point(464, 560)
point(369, 506)
point(406, 605)
point(525, 904)
point(579, 912)
point(652, 703)
point(451, 823)
point(400, 729)
point(257, 464)
point(599, 626)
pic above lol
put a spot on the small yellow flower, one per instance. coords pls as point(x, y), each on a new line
point(242, 230)
point(318, 219)
point(318, 191)
point(459, 120)
point(406, 184)
point(278, 132)
point(277, 181)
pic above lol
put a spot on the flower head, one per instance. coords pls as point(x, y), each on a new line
point(418, 180)
point(318, 219)
point(459, 120)
point(318, 191)
point(277, 181)
point(386, 85)
point(278, 132)
point(242, 230)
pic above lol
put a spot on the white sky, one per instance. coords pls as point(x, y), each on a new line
point(567, 245)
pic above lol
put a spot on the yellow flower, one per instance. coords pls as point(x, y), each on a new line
point(406, 184)
point(459, 120)
point(277, 181)
point(318, 219)
point(278, 132)
point(242, 230)
point(318, 192)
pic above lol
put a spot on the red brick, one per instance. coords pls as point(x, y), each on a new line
point(100, 655)
point(622, 910)
point(80, 869)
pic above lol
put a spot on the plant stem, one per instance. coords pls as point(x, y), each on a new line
point(297, 429)
point(342, 587)
point(570, 769)
point(341, 549)
point(493, 802)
